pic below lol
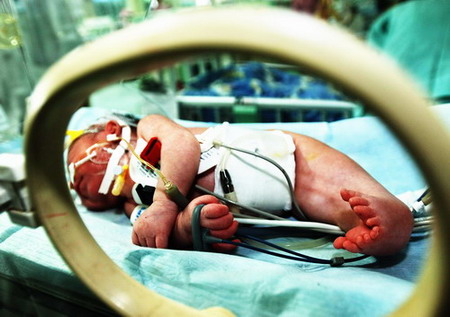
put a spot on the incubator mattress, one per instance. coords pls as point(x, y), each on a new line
point(253, 284)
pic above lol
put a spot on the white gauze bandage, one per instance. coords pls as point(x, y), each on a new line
point(258, 183)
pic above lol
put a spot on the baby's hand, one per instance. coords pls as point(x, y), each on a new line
point(153, 228)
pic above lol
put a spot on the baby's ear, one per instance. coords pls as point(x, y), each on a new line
point(113, 127)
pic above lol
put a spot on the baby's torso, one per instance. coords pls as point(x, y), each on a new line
point(257, 182)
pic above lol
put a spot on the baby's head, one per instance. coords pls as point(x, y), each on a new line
point(87, 159)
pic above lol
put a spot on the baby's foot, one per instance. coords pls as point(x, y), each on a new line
point(214, 216)
point(385, 228)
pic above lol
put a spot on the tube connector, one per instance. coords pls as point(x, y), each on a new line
point(175, 195)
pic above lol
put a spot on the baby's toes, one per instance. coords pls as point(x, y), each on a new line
point(364, 212)
point(225, 233)
point(203, 200)
point(375, 232)
point(224, 247)
point(358, 201)
point(374, 221)
point(220, 223)
point(351, 246)
point(212, 211)
point(338, 242)
point(346, 194)
point(363, 240)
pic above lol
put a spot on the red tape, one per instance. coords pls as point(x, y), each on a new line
point(152, 152)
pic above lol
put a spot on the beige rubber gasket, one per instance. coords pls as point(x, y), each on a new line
point(282, 34)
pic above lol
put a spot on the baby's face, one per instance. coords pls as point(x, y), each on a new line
point(88, 177)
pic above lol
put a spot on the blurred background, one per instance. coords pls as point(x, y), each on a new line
point(34, 34)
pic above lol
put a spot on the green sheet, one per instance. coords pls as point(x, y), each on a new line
point(417, 35)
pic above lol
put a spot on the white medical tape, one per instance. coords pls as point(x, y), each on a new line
point(210, 155)
point(135, 195)
point(115, 158)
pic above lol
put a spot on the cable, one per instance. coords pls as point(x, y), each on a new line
point(299, 213)
point(292, 255)
point(170, 188)
point(312, 259)
point(167, 183)
point(275, 246)
point(425, 198)
point(280, 255)
point(316, 226)
point(257, 211)
point(201, 238)
point(426, 192)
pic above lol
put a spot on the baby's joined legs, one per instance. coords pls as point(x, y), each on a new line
point(331, 188)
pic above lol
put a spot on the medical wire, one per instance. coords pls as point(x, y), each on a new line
point(425, 192)
point(315, 226)
point(201, 237)
point(257, 211)
point(296, 253)
point(292, 255)
point(421, 224)
point(275, 220)
point(157, 171)
point(292, 243)
point(300, 215)
point(285, 256)
point(422, 221)
point(171, 189)
point(425, 198)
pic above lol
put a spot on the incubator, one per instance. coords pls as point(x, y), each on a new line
point(14, 196)
point(65, 88)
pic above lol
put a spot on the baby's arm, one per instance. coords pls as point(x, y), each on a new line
point(180, 153)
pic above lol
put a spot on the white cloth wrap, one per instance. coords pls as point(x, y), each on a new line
point(257, 183)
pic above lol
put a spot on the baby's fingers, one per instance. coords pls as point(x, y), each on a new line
point(161, 242)
point(149, 242)
point(212, 211)
point(224, 247)
point(220, 223)
point(227, 232)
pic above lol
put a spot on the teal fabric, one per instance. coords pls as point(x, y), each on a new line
point(247, 286)
point(417, 35)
